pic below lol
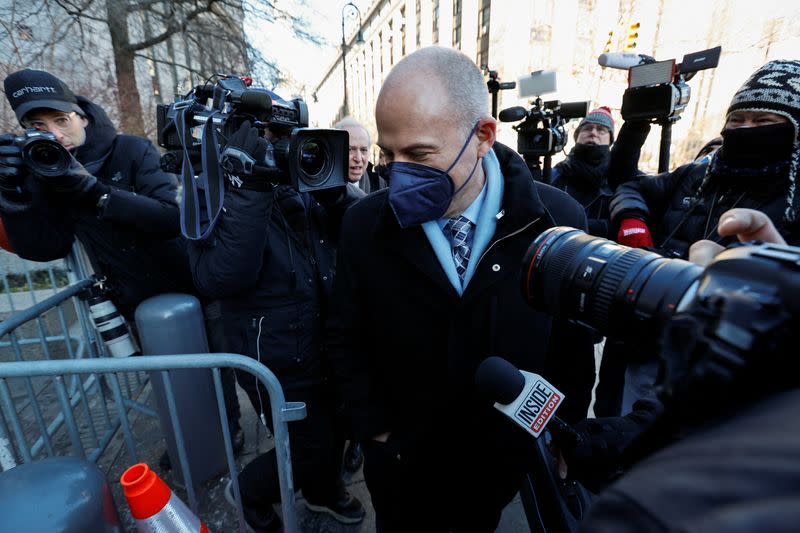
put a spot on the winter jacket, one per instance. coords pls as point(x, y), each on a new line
point(677, 217)
point(595, 194)
point(270, 262)
point(738, 474)
point(405, 346)
point(133, 240)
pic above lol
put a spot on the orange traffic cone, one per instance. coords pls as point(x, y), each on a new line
point(154, 506)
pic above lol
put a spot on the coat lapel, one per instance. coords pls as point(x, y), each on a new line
point(412, 245)
point(524, 217)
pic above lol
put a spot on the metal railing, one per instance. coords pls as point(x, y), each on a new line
point(73, 400)
point(282, 411)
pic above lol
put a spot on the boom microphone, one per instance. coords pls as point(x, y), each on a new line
point(526, 398)
point(623, 61)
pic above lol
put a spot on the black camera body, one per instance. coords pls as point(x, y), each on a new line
point(541, 132)
point(657, 90)
point(727, 334)
point(43, 154)
point(307, 158)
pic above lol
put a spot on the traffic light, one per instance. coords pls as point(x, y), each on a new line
point(633, 34)
point(608, 42)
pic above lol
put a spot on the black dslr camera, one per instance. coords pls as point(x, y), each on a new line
point(727, 332)
point(43, 154)
point(307, 158)
point(541, 132)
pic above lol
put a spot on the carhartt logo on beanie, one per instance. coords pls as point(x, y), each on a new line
point(602, 116)
point(30, 89)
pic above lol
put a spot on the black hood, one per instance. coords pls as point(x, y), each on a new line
point(100, 135)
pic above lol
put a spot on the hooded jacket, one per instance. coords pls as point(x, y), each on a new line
point(132, 240)
point(269, 260)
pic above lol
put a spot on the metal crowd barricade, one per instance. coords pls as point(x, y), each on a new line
point(73, 400)
point(282, 411)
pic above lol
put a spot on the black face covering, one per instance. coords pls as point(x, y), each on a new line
point(592, 154)
point(757, 147)
point(589, 164)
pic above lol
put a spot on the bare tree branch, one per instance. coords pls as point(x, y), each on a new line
point(171, 63)
point(174, 27)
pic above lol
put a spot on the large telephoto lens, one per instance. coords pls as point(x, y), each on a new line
point(619, 291)
point(45, 157)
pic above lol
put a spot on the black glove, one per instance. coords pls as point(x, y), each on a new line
point(76, 181)
point(245, 160)
point(593, 451)
point(12, 169)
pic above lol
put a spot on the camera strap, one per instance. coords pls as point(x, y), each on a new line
point(211, 179)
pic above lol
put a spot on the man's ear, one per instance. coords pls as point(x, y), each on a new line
point(84, 121)
point(486, 132)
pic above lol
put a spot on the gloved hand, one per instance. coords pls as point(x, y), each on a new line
point(594, 448)
point(76, 181)
point(12, 169)
point(634, 233)
point(244, 158)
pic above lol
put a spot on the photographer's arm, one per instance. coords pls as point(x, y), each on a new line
point(39, 233)
point(229, 260)
point(623, 165)
point(152, 208)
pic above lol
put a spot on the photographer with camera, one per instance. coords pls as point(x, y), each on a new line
point(269, 261)
point(73, 176)
point(756, 167)
point(597, 164)
point(683, 481)
point(427, 287)
point(728, 378)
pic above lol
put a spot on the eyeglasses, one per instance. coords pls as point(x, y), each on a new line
point(61, 123)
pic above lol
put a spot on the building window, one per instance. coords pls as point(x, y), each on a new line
point(403, 31)
point(390, 44)
point(435, 37)
point(457, 24)
point(419, 22)
point(483, 33)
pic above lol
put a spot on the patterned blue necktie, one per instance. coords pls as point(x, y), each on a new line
point(459, 228)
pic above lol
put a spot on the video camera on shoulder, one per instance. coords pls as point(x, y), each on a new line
point(541, 130)
point(307, 158)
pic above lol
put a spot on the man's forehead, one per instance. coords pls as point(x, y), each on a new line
point(44, 113)
point(357, 134)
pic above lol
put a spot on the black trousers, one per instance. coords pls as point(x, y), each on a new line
point(315, 444)
point(468, 496)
